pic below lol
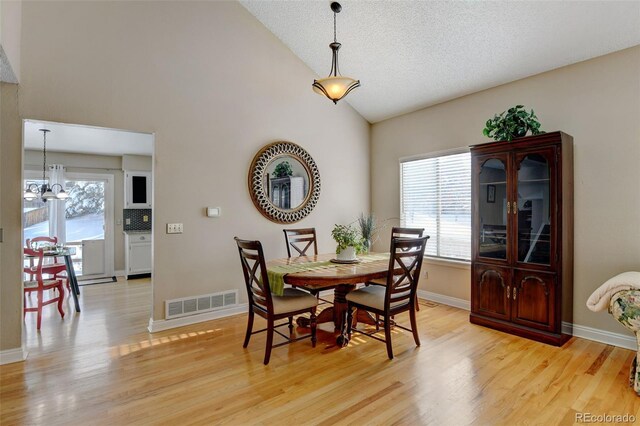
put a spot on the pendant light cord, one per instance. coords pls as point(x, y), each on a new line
point(335, 39)
point(44, 159)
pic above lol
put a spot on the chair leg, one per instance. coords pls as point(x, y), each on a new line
point(349, 321)
point(387, 336)
point(247, 336)
point(417, 304)
point(377, 322)
point(39, 321)
point(290, 325)
point(267, 352)
point(314, 327)
point(414, 326)
point(60, 299)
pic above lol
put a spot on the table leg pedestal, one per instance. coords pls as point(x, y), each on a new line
point(338, 313)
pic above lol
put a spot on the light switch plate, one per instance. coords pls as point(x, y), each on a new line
point(174, 228)
point(214, 211)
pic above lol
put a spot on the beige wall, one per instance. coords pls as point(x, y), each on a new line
point(598, 103)
point(10, 33)
point(137, 163)
point(10, 219)
point(87, 163)
point(214, 86)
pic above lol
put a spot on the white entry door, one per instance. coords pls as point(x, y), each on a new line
point(89, 223)
point(93, 258)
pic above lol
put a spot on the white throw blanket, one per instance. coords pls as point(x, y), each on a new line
point(599, 300)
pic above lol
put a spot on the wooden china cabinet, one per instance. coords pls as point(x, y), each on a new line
point(522, 236)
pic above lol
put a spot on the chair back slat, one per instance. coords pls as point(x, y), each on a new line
point(255, 274)
point(301, 240)
point(398, 232)
point(35, 243)
point(405, 263)
point(35, 270)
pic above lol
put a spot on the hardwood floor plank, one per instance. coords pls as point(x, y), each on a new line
point(103, 367)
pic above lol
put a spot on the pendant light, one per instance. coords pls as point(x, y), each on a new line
point(335, 86)
point(46, 192)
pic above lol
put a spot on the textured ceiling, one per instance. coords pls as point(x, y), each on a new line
point(412, 54)
point(86, 139)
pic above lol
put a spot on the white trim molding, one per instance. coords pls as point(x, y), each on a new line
point(161, 325)
point(445, 300)
point(584, 332)
point(10, 356)
point(602, 336)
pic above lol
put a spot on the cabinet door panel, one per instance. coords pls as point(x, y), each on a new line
point(535, 215)
point(491, 291)
point(532, 299)
point(139, 258)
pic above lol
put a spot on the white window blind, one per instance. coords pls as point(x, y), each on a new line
point(436, 195)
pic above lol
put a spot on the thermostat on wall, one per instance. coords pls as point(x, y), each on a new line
point(214, 211)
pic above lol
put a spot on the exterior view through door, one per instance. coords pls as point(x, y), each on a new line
point(81, 221)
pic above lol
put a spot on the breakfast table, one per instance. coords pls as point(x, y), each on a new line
point(66, 253)
point(317, 273)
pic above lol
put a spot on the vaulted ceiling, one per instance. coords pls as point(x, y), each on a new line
point(413, 54)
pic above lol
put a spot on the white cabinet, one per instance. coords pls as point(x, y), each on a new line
point(137, 190)
point(138, 253)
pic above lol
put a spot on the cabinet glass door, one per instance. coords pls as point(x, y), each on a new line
point(534, 223)
point(492, 209)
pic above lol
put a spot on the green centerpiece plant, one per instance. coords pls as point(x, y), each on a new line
point(515, 122)
point(349, 241)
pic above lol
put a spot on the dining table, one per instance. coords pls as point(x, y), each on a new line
point(318, 272)
point(65, 253)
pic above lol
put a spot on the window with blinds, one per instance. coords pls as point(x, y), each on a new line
point(436, 195)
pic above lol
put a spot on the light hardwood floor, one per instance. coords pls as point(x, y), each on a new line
point(102, 367)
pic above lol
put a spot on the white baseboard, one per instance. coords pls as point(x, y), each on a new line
point(602, 336)
point(119, 273)
point(445, 300)
point(160, 325)
point(9, 356)
point(597, 335)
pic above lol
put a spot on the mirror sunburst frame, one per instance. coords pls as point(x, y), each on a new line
point(260, 189)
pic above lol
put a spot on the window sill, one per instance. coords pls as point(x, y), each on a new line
point(458, 264)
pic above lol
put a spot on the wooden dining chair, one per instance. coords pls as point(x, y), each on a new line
point(398, 232)
point(270, 307)
point(39, 285)
point(57, 269)
point(398, 295)
point(301, 240)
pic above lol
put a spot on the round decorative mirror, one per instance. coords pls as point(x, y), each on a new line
point(284, 182)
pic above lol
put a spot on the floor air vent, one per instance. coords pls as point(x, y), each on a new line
point(198, 304)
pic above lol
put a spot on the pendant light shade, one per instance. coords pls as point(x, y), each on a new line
point(335, 86)
point(45, 191)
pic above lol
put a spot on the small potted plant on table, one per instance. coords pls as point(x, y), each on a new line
point(349, 242)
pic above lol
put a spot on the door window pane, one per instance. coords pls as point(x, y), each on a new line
point(35, 214)
point(492, 205)
point(85, 210)
point(534, 219)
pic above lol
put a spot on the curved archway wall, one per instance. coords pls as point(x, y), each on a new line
point(214, 85)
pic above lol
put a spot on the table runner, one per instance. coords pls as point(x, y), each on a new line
point(276, 273)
